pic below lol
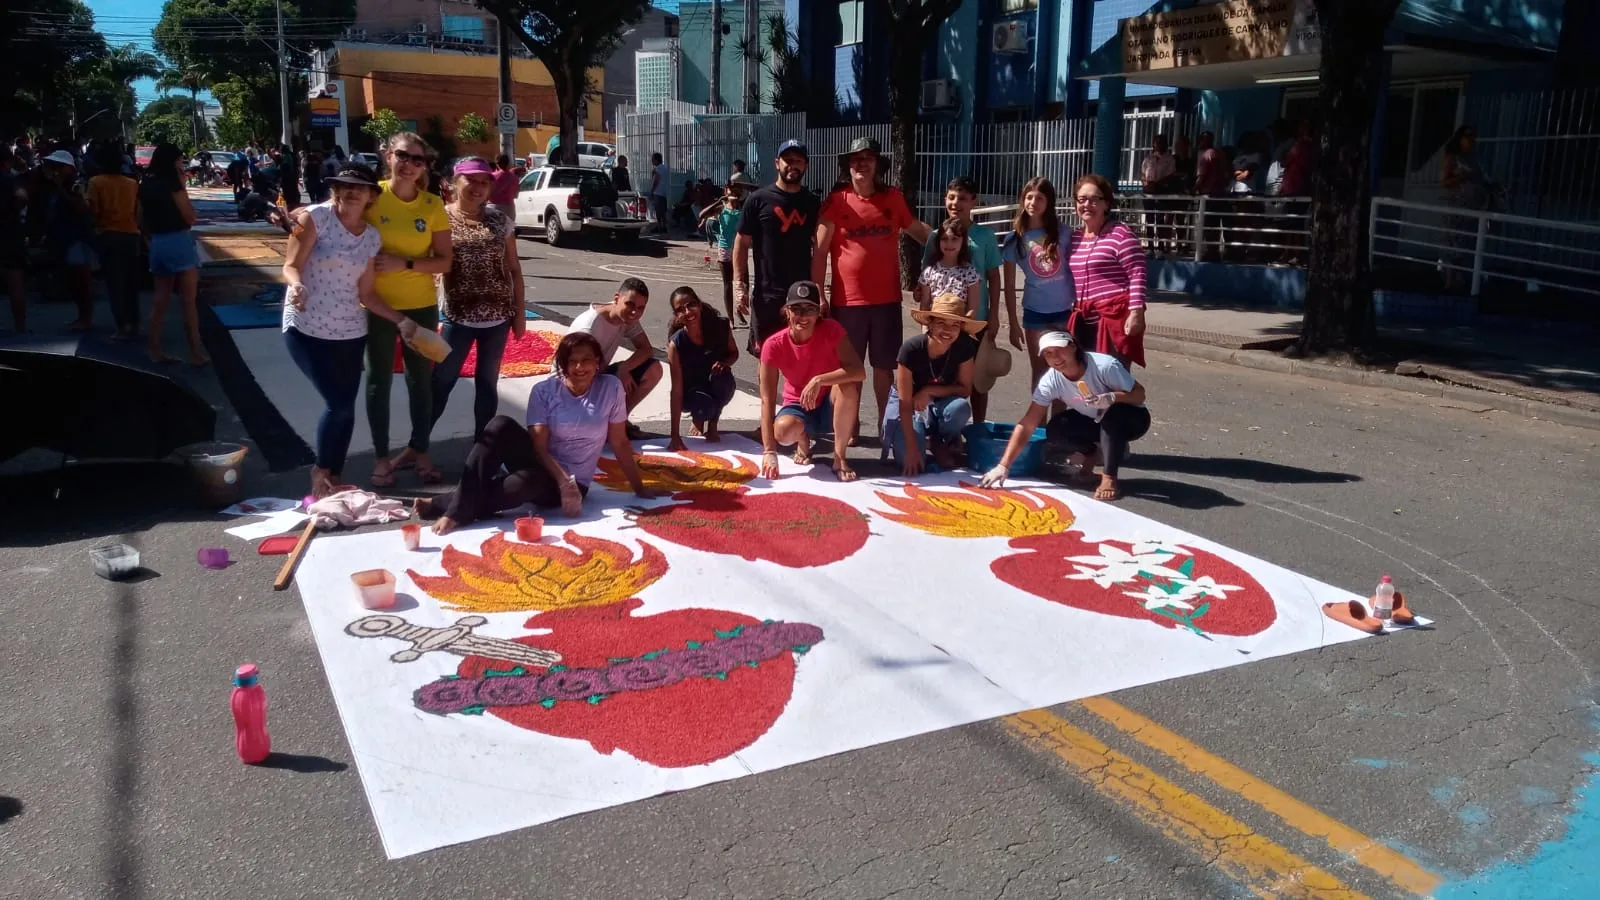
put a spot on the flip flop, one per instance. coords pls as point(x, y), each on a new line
point(429, 474)
point(385, 478)
point(1402, 614)
point(1354, 614)
point(845, 476)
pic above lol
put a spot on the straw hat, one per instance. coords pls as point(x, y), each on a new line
point(949, 306)
point(993, 363)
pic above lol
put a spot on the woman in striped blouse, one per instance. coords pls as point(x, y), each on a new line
point(1108, 274)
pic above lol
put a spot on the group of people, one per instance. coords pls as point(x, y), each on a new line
point(1081, 320)
point(99, 210)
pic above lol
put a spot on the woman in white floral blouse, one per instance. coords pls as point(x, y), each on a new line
point(330, 273)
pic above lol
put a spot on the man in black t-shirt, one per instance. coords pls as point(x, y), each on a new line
point(777, 224)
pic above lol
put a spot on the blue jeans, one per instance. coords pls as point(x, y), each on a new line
point(945, 418)
point(334, 368)
point(491, 348)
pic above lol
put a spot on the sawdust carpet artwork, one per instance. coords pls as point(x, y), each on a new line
point(737, 625)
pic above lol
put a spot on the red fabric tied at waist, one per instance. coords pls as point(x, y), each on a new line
point(1109, 315)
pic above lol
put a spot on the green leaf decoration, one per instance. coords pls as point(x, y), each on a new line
point(1199, 611)
point(692, 645)
point(473, 711)
point(725, 635)
point(619, 659)
point(654, 653)
point(558, 667)
point(594, 699)
point(768, 621)
point(1187, 568)
point(752, 664)
point(802, 648)
point(548, 703)
point(721, 676)
point(449, 677)
point(504, 673)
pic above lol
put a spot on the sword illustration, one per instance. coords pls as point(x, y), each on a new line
point(457, 639)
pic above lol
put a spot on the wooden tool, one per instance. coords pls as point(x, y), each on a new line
point(286, 574)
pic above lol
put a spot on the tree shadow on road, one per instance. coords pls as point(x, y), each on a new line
point(1175, 493)
point(1241, 468)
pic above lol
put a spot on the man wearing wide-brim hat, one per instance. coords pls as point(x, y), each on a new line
point(931, 399)
point(859, 236)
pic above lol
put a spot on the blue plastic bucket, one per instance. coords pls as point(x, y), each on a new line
point(986, 443)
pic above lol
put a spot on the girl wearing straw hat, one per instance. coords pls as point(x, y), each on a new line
point(933, 373)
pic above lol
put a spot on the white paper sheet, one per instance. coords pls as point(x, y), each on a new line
point(277, 523)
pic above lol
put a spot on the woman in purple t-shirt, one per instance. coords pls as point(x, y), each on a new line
point(571, 418)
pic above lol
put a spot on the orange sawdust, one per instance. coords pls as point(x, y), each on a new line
point(517, 577)
point(977, 512)
point(688, 471)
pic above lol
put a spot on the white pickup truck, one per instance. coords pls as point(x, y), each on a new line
point(561, 201)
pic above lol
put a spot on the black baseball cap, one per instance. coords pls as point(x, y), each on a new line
point(803, 292)
point(795, 146)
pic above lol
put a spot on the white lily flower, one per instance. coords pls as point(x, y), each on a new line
point(1205, 586)
point(1154, 598)
point(1156, 545)
point(1106, 576)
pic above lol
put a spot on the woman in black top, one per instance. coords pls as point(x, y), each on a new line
point(701, 352)
point(167, 215)
point(930, 401)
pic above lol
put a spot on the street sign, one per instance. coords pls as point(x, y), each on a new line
point(505, 116)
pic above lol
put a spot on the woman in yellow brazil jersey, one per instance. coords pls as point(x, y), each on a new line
point(416, 248)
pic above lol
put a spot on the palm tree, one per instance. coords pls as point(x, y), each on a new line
point(124, 65)
point(195, 79)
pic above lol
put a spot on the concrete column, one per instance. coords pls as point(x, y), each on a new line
point(1107, 130)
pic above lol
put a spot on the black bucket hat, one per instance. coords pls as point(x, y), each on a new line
point(862, 145)
point(356, 174)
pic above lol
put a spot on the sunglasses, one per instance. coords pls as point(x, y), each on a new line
point(805, 309)
point(1092, 198)
point(401, 156)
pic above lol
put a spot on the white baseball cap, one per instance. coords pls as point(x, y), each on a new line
point(62, 157)
point(1054, 339)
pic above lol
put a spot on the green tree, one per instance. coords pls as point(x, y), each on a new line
point(382, 125)
point(913, 26)
point(171, 119)
point(234, 129)
point(49, 55)
point(472, 129)
point(569, 38)
point(1338, 303)
point(790, 92)
point(234, 42)
point(121, 67)
point(193, 79)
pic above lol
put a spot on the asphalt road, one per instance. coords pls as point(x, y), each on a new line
point(1460, 748)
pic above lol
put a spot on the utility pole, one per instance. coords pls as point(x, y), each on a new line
point(752, 56)
point(716, 54)
point(508, 142)
point(283, 80)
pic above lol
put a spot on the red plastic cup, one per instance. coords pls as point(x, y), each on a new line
point(530, 529)
point(412, 535)
point(375, 587)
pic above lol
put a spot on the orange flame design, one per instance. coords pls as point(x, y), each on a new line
point(977, 512)
point(694, 471)
point(515, 577)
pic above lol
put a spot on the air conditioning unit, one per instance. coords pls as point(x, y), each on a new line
point(421, 28)
point(1011, 37)
point(355, 34)
point(940, 93)
point(417, 40)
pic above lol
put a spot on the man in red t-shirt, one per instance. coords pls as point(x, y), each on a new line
point(859, 231)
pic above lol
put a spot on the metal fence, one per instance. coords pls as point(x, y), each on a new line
point(1542, 147)
point(1471, 248)
point(696, 143)
point(999, 157)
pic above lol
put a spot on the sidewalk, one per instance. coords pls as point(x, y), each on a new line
point(1551, 367)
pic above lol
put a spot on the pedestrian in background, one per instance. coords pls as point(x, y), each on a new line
point(13, 241)
point(114, 203)
point(721, 221)
point(67, 230)
point(167, 216)
point(483, 291)
point(415, 230)
point(660, 184)
point(503, 193)
point(330, 274)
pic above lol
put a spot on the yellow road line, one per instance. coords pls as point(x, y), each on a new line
point(1255, 862)
point(1297, 815)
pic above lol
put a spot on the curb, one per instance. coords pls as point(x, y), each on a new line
point(1271, 362)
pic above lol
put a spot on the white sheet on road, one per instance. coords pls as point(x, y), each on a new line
point(937, 606)
point(264, 352)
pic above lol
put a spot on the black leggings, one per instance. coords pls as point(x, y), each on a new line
point(1121, 425)
point(727, 288)
point(485, 490)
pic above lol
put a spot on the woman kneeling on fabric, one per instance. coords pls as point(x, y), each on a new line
point(571, 418)
point(1105, 412)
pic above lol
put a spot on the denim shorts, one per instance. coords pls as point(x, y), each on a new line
point(818, 421)
point(1042, 321)
point(173, 253)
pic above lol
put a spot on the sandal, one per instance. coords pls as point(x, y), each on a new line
point(383, 473)
point(845, 474)
point(429, 474)
point(1354, 614)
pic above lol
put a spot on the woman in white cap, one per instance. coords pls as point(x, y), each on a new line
point(1105, 412)
point(930, 401)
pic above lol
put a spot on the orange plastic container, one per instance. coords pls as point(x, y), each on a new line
point(375, 588)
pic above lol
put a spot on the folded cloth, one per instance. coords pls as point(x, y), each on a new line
point(352, 507)
point(1110, 317)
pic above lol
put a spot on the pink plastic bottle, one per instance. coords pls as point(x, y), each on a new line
point(249, 703)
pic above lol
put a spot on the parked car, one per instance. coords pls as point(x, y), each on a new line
point(370, 160)
point(591, 155)
point(562, 201)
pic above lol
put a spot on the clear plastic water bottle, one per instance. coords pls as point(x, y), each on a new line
point(1383, 600)
point(249, 703)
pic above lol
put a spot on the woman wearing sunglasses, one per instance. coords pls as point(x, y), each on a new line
point(416, 247)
